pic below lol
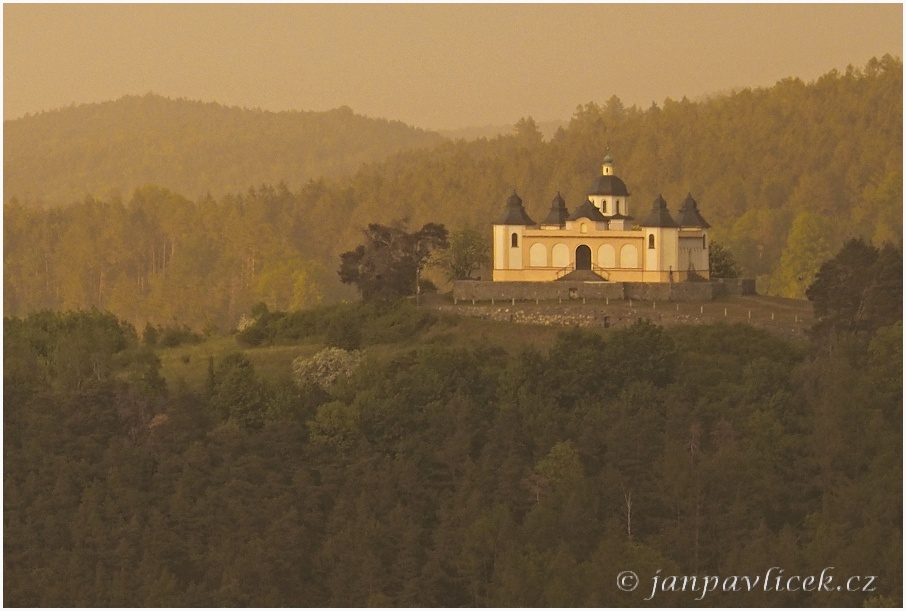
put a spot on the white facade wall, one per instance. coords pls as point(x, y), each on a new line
point(665, 254)
point(629, 257)
point(500, 247)
point(651, 254)
point(691, 253)
point(515, 252)
point(560, 256)
point(538, 255)
point(607, 256)
point(610, 204)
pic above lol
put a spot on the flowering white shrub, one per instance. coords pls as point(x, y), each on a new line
point(323, 369)
point(245, 322)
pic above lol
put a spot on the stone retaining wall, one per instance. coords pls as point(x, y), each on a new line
point(734, 286)
point(679, 291)
point(625, 313)
point(483, 290)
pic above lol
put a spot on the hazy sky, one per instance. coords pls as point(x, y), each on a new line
point(434, 66)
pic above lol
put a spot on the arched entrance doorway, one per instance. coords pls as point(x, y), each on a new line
point(583, 257)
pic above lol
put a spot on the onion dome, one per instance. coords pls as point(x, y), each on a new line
point(608, 159)
point(514, 214)
point(689, 215)
point(608, 184)
point(660, 216)
point(558, 213)
point(588, 211)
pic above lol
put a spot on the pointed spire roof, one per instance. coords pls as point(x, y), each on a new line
point(660, 216)
point(558, 214)
point(589, 211)
point(514, 214)
point(689, 216)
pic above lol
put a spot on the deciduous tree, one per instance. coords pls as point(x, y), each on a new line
point(388, 265)
point(468, 251)
point(721, 262)
point(859, 290)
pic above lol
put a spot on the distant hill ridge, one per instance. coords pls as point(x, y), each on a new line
point(547, 128)
point(57, 157)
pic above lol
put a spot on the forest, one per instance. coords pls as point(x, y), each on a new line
point(262, 211)
point(407, 458)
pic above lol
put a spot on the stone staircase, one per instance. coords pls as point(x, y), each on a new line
point(582, 275)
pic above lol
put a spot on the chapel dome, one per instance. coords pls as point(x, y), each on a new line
point(608, 184)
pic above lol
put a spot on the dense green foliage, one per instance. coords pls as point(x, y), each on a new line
point(388, 265)
point(858, 291)
point(721, 262)
point(162, 258)
point(348, 325)
point(468, 252)
point(193, 148)
point(785, 175)
point(442, 473)
point(169, 336)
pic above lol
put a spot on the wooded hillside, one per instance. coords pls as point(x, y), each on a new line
point(56, 158)
point(453, 463)
point(784, 174)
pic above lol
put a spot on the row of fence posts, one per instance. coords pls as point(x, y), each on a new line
point(607, 302)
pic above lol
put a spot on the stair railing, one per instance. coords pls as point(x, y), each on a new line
point(565, 270)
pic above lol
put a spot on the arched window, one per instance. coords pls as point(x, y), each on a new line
point(514, 240)
point(583, 228)
point(650, 240)
point(704, 244)
point(616, 207)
